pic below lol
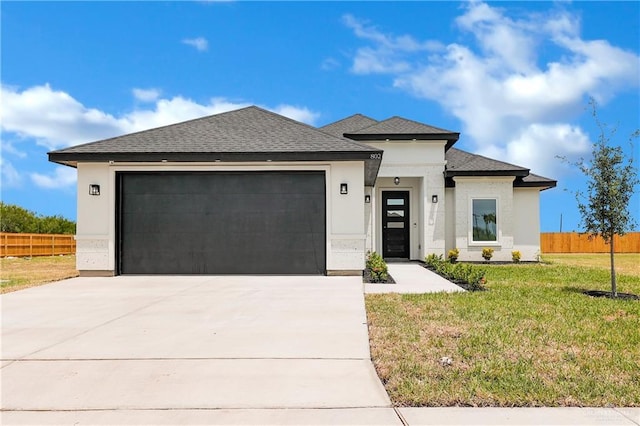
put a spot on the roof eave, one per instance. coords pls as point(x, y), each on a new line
point(543, 185)
point(372, 158)
point(483, 173)
point(451, 138)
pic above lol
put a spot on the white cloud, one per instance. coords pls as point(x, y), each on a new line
point(509, 104)
point(146, 95)
point(9, 175)
point(302, 114)
point(62, 177)
point(55, 119)
point(386, 54)
point(536, 144)
point(200, 43)
point(330, 64)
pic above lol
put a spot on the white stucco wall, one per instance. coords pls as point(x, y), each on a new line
point(450, 223)
point(468, 188)
point(346, 233)
point(95, 226)
point(526, 223)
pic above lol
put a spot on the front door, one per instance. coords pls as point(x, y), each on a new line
point(395, 224)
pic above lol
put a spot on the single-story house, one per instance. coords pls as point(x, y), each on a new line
point(253, 192)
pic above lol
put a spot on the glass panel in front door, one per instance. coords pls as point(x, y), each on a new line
point(395, 224)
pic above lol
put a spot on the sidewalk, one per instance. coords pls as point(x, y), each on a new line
point(409, 416)
point(412, 278)
point(569, 416)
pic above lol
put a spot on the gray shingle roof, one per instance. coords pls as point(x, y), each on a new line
point(398, 128)
point(536, 180)
point(463, 163)
point(399, 125)
point(348, 125)
point(248, 134)
point(251, 129)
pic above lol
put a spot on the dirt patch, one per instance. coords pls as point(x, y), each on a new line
point(20, 273)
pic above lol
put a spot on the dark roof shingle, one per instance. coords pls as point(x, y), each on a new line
point(348, 125)
point(248, 134)
point(463, 163)
point(399, 125)
point(250, 129)
point(398, 128)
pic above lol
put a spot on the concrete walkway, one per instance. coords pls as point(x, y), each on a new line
point(411, 277)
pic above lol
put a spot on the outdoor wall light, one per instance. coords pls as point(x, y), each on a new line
point(367, 199)
point(344, 189)
point(94, 189)
point(396, 180)
point(434, 199)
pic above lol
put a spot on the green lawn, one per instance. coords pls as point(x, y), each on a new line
point(532, 339)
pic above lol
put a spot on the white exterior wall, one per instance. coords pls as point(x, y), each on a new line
point(526, 218)
point(345, 226)
point(96, 224)
point(450, 224)
point(468, 188)
point(420, 167)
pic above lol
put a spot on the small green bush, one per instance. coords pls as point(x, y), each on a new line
point(515, 256)
point(377, 267)
point(432, 260)
point(463, 273)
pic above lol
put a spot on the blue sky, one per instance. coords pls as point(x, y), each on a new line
point(513, 77)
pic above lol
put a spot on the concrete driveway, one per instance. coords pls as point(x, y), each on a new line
point(214, 349)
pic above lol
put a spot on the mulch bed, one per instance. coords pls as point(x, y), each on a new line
point(368, 279)
point(602, 293)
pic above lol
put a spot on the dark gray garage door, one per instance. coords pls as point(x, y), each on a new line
point(221, 223)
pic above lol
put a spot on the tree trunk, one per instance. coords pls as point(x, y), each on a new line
point(614, 290)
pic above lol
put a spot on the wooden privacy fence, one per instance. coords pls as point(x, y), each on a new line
point(23, 245)
point(573, 242)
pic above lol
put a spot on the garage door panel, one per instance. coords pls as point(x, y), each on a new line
point(222, 223)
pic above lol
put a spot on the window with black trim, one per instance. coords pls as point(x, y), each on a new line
point(484, 218)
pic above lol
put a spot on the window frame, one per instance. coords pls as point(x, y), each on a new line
point(471, 240)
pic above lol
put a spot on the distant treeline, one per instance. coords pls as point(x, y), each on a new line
point(19, 220)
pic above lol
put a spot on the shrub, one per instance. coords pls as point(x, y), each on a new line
point(469, 276)
point(377, 267)
point(515, 256)
point(453, 255)
point(487, 253)
point(432, 260)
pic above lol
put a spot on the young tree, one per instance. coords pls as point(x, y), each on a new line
point(611, 179)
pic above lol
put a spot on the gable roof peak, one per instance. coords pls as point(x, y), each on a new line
point(401, 125)
point(347, 125)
